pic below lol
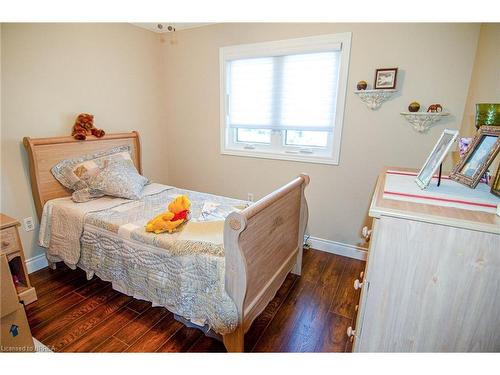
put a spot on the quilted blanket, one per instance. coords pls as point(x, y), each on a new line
point(182, 271)
point(63, 220)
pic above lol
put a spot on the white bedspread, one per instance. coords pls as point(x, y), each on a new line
point(183, 271)
point(63, 220)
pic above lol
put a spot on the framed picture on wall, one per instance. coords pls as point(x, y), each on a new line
point(478, 157)
point(385, 78)
point(436, 157)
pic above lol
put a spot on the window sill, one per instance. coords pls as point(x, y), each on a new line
point(281, 156)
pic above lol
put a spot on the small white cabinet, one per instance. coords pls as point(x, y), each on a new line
point(432, 282)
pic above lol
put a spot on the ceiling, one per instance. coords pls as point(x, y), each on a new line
point(164, 29)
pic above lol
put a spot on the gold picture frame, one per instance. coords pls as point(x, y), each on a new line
point(480, 154)
point(495, 186)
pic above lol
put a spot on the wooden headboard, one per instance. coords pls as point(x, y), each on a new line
point(44, 153)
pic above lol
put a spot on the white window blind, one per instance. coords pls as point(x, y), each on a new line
point(286, 92)
point(284, 99)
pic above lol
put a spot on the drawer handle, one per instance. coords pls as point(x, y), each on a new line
point(356, 308)
point(362, 275)
point(350, 332)
point(366, 233)
point(5, 243)
point(357, 284)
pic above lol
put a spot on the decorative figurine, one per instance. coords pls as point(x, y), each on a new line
point(435, 108)
point(414, 107)
point(362, 85)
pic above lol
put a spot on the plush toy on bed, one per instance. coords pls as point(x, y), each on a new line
point(169, 221)
point(84, 126)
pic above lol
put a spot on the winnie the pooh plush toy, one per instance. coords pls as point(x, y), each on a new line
point(84, 126)
point(169, 221)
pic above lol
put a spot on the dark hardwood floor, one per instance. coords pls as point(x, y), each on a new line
point(309, 314)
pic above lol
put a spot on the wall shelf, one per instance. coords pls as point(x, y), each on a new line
point(422, 121)
point(374, 98)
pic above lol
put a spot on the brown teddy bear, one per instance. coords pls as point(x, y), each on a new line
point(84, 126)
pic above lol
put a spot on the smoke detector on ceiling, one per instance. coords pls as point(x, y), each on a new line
point(165, 28)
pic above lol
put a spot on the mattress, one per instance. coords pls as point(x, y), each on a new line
point(182, 271)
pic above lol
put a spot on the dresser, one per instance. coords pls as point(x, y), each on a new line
point(15, 334)
point(432, 279)
point(11, 249)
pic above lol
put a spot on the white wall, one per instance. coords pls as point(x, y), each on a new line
point(52, 72)
point(170, 93)
point(435, 62)
point(485, 81)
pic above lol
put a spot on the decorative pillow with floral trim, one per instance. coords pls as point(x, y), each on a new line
point(75, 173)
point(119, 178)
point(86, 194)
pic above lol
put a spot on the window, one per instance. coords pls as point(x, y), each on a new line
point(285, 99)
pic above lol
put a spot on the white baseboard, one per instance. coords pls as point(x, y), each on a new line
point(338, 248)
point(36, 263)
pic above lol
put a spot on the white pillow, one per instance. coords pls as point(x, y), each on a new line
point(119, 178)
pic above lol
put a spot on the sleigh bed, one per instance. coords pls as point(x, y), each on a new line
point(261, 243)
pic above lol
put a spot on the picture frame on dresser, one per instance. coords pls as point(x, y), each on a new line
point(495, 186)
point(478, 157)
point(436, 157)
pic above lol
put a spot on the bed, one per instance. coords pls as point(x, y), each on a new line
point(260, 243)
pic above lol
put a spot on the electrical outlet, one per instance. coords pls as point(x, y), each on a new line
point(29, 225)
point(250, 197)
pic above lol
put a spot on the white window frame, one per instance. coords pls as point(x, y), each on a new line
point(278, 149)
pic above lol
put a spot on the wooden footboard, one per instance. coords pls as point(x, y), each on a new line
point(262, 244)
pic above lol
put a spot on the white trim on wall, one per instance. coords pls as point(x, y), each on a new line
point(36, 263)
point(338, 248)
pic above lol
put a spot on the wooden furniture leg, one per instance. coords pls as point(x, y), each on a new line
point(235, 341)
